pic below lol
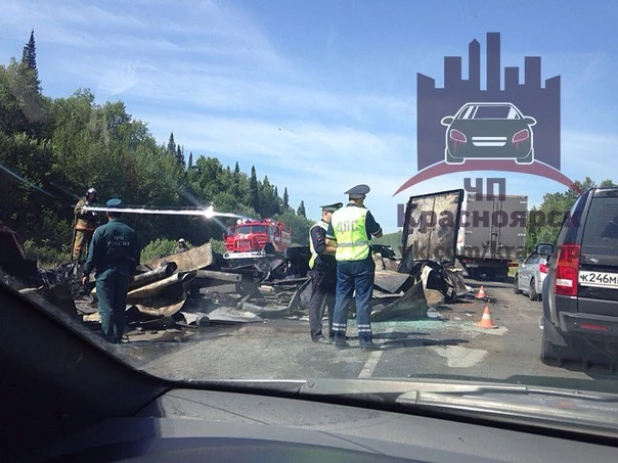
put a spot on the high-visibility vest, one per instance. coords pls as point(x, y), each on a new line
point(314, 254)
point(351, 234)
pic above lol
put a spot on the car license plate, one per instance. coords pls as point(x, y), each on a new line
point(599, 279)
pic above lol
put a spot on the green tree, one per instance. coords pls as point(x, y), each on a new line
point(26, 109)
point(544, 227)
point(268, 199)
point(171, 144)
point(254, 191)
point(286, 199)
point(29, 52)
point(301, 210)
point(180, 155)
point(531, 230)
point(298, 224)
point(51, 150)
point(29, 60)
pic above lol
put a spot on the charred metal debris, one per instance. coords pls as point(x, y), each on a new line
point(176, 295)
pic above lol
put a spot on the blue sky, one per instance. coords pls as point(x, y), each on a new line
point(320, 95)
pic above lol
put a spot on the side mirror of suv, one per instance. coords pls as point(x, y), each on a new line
point(545, 249)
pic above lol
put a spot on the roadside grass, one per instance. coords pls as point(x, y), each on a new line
point(46, 256)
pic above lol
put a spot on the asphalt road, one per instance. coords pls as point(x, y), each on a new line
point(450, 348)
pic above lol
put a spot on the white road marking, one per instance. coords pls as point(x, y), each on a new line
point(370, 364)
point(372, 360)
point(460, 357)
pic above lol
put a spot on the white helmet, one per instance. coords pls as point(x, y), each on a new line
point(91, 191)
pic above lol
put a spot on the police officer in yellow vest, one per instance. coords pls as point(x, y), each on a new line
point(350, 230)
point(323, 275)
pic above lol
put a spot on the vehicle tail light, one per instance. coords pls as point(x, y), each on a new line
point(543, 268)
point(457, 136)
point(593, 327)
point(567, 270)
point(520, 136)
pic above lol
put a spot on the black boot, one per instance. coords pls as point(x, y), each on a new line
point(367, 344)
point(340, 341)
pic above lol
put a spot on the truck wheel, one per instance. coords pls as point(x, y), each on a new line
point(516, 289)
point(534, 296)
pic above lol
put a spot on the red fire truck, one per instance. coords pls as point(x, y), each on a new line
point(255, 239)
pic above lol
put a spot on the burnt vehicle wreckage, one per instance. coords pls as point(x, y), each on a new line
point(181, 293)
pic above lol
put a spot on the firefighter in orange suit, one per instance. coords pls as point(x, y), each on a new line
point(85, 223)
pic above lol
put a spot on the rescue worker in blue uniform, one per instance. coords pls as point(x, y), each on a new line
point(114, 252)
point(350, 230)
point(323, 275)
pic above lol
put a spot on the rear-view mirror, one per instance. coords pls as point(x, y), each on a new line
point(448, 120)
point(545, 249)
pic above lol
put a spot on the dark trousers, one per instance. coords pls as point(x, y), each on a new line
point(354, 276)
point(322, 295)
point(112, 288)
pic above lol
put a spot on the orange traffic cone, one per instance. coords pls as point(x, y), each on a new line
point(481, 294)
point(486, 321)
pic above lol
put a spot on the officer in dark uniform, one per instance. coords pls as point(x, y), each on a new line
point(323, 275)
point(350, 230)
point(114, 252)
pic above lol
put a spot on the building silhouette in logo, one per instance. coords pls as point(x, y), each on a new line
point(463, 101)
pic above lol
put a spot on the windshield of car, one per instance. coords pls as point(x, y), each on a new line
point(340, 125)
point(489, 112)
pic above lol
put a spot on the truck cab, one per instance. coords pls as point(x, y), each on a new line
point(256, 239)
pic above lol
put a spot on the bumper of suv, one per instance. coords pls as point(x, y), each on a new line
point(597, 326)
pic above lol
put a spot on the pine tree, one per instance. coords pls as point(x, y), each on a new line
point(29, 53)
point(171, 144)
point(286, 199)
point(190, 159)
point(301, 210)
point(237, 169)
point(254, 191)
point(269, 202)
point(277, 200)
point(28, 59)
point(180, 156)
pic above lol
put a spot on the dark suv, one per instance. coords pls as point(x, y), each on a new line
point(580, 292)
